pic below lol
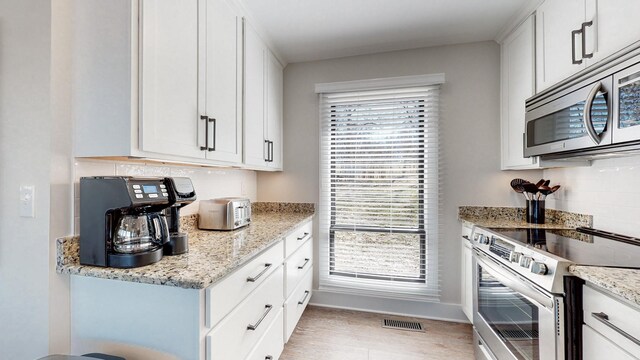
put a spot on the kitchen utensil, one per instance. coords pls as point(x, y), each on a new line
point(517, 181)
point(530, 188)
point(546, 183)
point(540, 183)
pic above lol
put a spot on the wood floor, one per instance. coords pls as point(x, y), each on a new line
point(331, 334)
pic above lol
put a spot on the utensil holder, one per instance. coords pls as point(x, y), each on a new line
point(535, 211)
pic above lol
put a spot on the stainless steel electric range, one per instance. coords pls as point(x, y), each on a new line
point(526, 304)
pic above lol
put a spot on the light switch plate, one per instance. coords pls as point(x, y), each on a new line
point(27, 200)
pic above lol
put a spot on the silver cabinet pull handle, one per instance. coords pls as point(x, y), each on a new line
point(306, 294)
point(254, 278)
point(304, 236)
point(306, 261)
point(255, 326)
point(573, 47)
point(583, 30)
point(206, 133)
point(266, 159)
point(213, 148)
point(604, 318)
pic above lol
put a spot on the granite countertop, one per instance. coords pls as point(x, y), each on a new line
point(212, 254)
point(622, 282)
point(513, 217)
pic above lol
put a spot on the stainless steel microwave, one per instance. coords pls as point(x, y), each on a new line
point(594, 113)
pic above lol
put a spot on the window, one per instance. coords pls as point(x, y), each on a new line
point(379, 189)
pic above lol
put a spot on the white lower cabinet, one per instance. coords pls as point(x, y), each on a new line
point(612, 327)
point(296, 303)
point(225, 295)
point(272, 343)
point(466, 269)
point(235, 336)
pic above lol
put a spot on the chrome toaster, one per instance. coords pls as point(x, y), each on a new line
point(224, 214)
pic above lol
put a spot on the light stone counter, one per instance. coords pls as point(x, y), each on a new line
point(512, 217)
point(212, 254)
point(622, 282)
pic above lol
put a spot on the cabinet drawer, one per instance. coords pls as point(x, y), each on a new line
point(597, 347)
point(270, 346)
point(296, 303)
point(233, 338)
point(297, 238)
point(221, 298)
point(619, 315)
point(297, 265)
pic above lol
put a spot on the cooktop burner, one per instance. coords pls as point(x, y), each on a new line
point(583, 246)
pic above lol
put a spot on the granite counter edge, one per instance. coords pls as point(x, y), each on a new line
point(202, 282)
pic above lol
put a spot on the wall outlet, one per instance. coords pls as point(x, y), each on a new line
point(27, 200)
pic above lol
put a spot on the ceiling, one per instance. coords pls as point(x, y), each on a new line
point(305, 30)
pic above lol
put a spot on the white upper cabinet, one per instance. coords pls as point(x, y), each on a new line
point(573, 34)
point(517, 84)
point(224, 81)
point(616, 23)
point(159, 80)
point(169, 84)
point(274, 110)
point(262, 105)
point(557, 26)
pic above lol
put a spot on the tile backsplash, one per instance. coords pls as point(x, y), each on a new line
point(209, 182)
point(608, 189)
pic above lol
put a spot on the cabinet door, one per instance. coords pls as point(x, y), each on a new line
point(596, 347)
point(555, 20)
point(615, 26)
point(274, 109)
point(467, 280)
point(517, 84)
point(224, 81)
point(169, 117)
point(254, 99)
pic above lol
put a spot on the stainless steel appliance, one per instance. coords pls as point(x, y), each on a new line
point(522, 306)
point(121, 221)
point(224, 214)
point(181, 193)
point(595, 113)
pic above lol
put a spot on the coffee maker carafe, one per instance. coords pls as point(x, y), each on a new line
point(181, 193)
point(121, 221)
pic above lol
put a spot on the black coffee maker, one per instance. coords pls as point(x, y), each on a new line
point(181, 193)
point(121, 220)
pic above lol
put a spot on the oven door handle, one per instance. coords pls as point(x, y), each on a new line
point(512, 282)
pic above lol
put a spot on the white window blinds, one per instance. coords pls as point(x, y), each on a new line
point(379, 191)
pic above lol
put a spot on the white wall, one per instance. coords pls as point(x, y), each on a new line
point(469, 123)
point(209, 182)
point(25, 126)
point(608, 190)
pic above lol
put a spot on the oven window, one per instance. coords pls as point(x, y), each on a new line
point(513, 317)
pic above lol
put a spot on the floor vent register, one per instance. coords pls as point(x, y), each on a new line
point(402, 325)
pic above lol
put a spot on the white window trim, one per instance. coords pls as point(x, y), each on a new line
point(382, 83)
point(378, 288)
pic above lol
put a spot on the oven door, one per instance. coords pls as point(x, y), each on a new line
point(514, 318)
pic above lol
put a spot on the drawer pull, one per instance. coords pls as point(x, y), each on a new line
point(306, 261)
point(268, 357)
point(304, 236)
point(306, 294)
point(255, 326)
point(254, 278)
point(604, 318)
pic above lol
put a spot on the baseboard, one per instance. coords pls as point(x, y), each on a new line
point(410, 308)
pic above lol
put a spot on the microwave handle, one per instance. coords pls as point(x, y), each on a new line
point(586, 117)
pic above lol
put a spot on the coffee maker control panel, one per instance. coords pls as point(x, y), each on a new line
point(149, 190)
